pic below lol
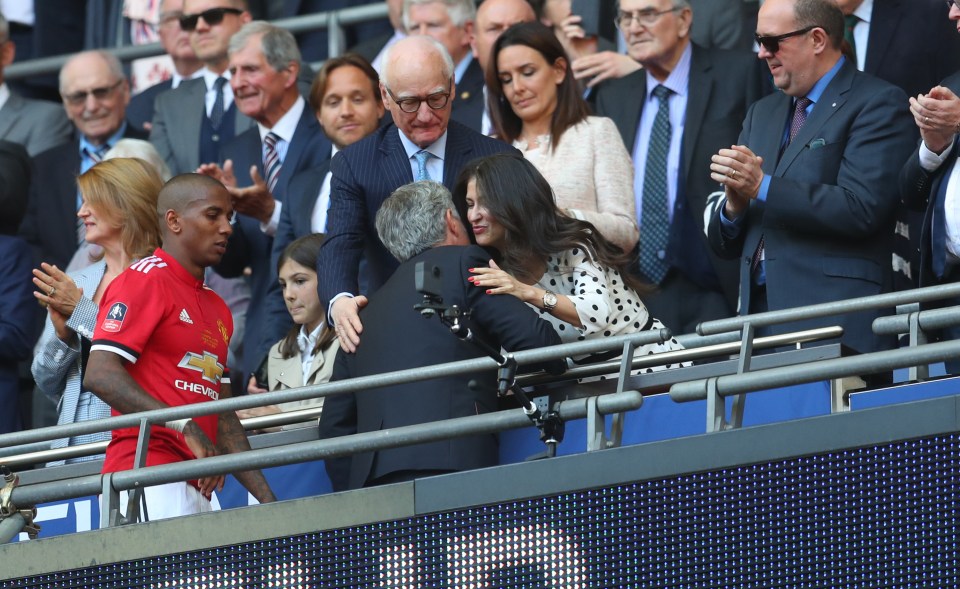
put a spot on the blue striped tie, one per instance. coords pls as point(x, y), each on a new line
point(422, 156)
point(654, 219)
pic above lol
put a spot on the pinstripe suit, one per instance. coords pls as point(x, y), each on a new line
point(364, 175)
point(56, 365)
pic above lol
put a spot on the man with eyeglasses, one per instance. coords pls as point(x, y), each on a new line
point(707, 96)
point(810, 191)
point(259, 163)
point(38, 125)
point(420, 144)
point(193, 122)
point(95, 95)
point(186, 66)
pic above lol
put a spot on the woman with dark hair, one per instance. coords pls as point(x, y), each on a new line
point(305, 355)
point(555, 263)
point(535, 104)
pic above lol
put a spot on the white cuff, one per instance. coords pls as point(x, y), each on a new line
point(270, 227)
point(930, 161)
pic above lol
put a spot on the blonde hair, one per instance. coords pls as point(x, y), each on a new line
point(124, 190)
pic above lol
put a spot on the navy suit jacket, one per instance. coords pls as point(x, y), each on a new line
point(251, 247)
point(827, 222)
point(920, 190)
point(723, 85)
point(396, 337)
point(468, 102)
point(50, 225)
point(912, 44)
point(364, 175)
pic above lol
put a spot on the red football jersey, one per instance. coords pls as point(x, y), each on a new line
point(174, 333)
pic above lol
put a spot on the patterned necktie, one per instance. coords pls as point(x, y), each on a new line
point(271, 160)
point(422, 156)
point(216, 113)
point(799, 118)
point(849, 23)
point(654, 219)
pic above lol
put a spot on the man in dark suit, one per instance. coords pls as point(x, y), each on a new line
point(928, 183)
point(419, 225)
point(421, 143)
point(811, 190)
point(191, 123)
point(95, 95)
point(265, 64)
point(17, 304)
point(38, 125)
point(176, 44)
point(451, 23)
point(709, 94)
point(346, 99)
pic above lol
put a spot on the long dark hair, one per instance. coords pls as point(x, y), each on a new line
point(305, 252)
point(571, 107)
point(521, 200)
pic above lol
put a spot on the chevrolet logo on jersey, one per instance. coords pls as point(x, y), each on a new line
point(206, 364)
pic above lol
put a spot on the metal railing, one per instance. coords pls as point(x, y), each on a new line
point(333, 22)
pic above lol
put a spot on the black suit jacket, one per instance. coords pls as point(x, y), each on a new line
point(912, 44)
point(364, 175)
point(50, 225)
point(251, 247)
point(396, 337)
point(918, 191)
point(827, 222)
point(468, 102)
point(723, 84)
point(140, 109)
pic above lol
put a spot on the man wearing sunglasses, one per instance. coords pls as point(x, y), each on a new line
point(421, 143)
point(193, 122)
point(704, 85)
point(811, 189)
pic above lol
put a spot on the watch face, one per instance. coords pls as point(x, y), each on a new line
point(549, 300)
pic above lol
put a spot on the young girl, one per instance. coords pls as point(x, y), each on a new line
point(305, 355)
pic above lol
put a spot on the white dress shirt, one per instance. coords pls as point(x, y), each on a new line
point(284, 129)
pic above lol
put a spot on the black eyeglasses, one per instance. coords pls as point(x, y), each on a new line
point(645, 17)
point(78, 98)
point(436, 101)
point(212, 17)
point(772, 43)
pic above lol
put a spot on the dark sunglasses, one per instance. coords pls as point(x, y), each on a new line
point(772, 43)
point(212, 17)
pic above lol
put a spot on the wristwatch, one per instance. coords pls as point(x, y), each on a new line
point(549, 300)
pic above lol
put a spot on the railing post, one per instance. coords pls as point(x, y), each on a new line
point(139, 461)
point(716, 408)
point(743, 366)
point(918, 337)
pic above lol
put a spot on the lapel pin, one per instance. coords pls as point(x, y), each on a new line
point(465, 95)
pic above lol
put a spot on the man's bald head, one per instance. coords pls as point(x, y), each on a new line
point(180, 191)
point(195, 213)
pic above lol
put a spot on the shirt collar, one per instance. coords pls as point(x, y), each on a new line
point(177, 268)
point(4, 94)
point(307, 341)
point(287, 124)
point(111, 141)
point(333, 151)
point(676, 82)
point(864, 11)
point(817, 91)
point(210, 78)
point(437, 148)
point(462, 67)
point(176, 79)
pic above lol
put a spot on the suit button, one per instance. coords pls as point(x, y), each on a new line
point(215, 137)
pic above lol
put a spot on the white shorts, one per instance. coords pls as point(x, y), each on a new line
point(170, 500)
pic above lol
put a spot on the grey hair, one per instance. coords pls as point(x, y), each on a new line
point(4, 29)
point(113, 64)
point(142, 150)
point(437, 46)
point(460, 11)
point(678, 4)
point(278, 45)
point(412, 219)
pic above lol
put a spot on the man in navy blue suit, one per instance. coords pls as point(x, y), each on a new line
point(421, 144)
point(811, 189)
point(264, 65)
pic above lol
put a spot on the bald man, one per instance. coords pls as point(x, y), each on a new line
point(161, 341)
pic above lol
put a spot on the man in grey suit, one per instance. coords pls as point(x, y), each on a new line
point(34, 124)
point(811, 189)
point(193, 121)
point(417, 87)
point(709, 94)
